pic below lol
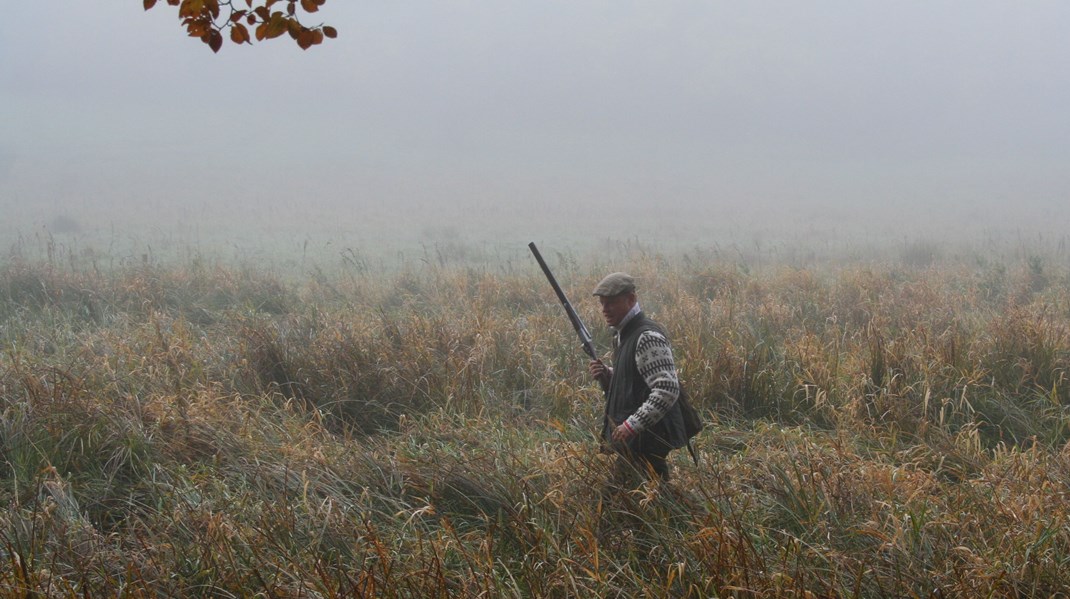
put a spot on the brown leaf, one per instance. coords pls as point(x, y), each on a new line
point(197, 28)
point(215, 40)
point(309, 5)
point(239, 34)
point(149, 4)
point(191, 8)
point(330, 32)
point(261, 32)
point(305, 39)
point(277, 26)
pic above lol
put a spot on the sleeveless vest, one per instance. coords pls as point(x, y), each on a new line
point(627, 391)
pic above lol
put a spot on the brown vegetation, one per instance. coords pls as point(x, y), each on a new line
point(212, 430)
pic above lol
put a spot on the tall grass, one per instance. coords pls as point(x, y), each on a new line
point(202, 429)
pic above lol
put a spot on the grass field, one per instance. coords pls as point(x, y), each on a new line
point(877, 428)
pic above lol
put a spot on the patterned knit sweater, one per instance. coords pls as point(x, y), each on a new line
point(653, 357)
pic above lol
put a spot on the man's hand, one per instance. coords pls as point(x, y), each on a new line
point(622, 433)
point(600, 372)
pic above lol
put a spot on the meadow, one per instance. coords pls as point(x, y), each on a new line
point(893, 425)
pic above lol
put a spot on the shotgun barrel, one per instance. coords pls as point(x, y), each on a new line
point(581, 329)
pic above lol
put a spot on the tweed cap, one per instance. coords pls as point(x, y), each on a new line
point(615, 284)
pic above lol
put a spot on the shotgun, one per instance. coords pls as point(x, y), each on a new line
point(581, 330)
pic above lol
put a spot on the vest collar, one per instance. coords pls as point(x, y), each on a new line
point(634, 315)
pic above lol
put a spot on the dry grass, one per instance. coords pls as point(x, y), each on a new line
point(204, 430)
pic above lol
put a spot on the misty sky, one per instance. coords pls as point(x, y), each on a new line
point(534, 114)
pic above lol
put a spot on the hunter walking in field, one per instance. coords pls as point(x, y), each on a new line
point(643, 420)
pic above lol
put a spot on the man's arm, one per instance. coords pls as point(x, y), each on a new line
point(653, 357)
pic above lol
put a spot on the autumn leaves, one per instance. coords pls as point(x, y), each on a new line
point(201, 18)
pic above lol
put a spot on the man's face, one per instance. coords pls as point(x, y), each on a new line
point(616, 307)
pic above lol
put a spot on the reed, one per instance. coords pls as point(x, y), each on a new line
point(203, 429)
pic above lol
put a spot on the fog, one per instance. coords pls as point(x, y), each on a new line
point(502, 122)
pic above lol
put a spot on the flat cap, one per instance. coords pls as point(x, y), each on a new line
point(615, 284)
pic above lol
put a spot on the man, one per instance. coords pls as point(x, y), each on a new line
point(643, 421)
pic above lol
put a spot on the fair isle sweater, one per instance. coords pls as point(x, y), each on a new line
point(653, 357)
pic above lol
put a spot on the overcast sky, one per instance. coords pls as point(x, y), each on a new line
point(537, 113)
